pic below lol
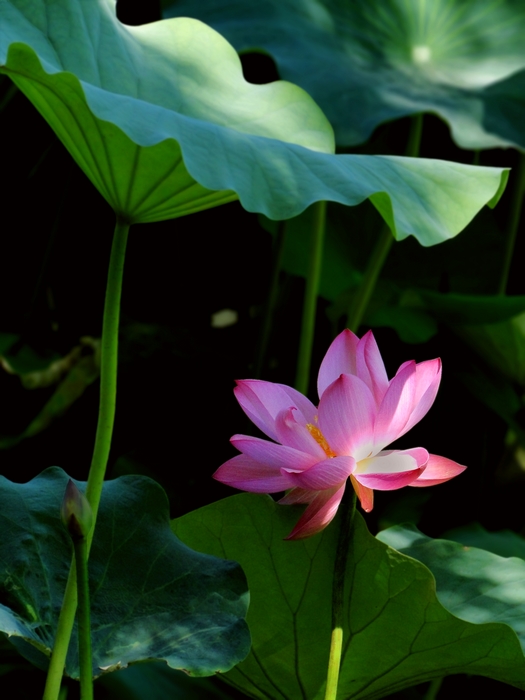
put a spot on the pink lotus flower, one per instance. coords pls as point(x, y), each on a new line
point(316, 450)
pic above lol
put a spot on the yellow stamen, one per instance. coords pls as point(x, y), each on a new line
point(320, 439)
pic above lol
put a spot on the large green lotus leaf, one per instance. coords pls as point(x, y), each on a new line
point(396, 632)
point(474, 584)
point(505, 543)
point(369, 62)
point(162, 121)
point(151, 596)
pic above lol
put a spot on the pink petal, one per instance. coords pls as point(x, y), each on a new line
point(297, 495)
point(370, 367)
point(319, 513)
point(396, 407)
point(293, 434)
point(323, 475)
point(438, 470)
point(339, 359)
point(391, 469)
point(246, 474)
point(364, 494)
point(428, 378)
point(273, 455)
point(346, 417)
point(388, 482)
point(263, 401)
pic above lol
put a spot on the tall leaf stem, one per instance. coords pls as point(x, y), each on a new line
point(516, 203)
point(313, 277)
point(435, 685)
point(361, 298)
point(366, 288)
point(84, 624)
point(338, 589)
point(106, 418)
point(108, 368)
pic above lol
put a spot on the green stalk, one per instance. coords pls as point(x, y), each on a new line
point(108, 369)
point(313, 277)
point(84, 624)
point(338, 601)
point(66, 620)
point(364, 292)
point(361, 298)
point(414, 136)
point(433, 689)
point(516, 203)
point(106, 417)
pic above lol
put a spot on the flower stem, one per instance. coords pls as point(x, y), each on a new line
point(313, 277)
point(516, 203)
point(364, 292)
point(63, 635)
point(84, 624)
point(338, 588)
point(106, 416)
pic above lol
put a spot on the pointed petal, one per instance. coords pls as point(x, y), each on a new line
point(396, 407)
point(273, 455)
point(297, 495)
point(371, 368)
point(438, 470)
point(427, 380)
point(364, 494)
point(346, 417)
point(293, 434)
point(262, 402)
point(323, 475)
point(319, 513)
point(339, 359)
point(392, 469)
point(393, 461)
point(388, 482)
point(246, 474)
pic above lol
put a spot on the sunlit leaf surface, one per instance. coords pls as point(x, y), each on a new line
point(505, 543)
point(474, 584)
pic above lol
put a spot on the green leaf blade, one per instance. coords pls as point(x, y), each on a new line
point(396, 633)
point(151, 596)
point(162, 121)
point(367, 64)
point(474, 584)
